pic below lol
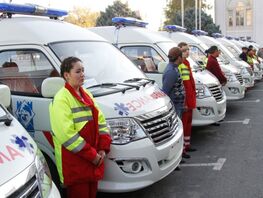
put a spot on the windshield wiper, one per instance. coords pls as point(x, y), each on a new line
point(139, 79)
point(7, 118)
point(104, 85)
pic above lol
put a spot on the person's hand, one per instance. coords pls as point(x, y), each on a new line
point(98, 160)
point(102, 154)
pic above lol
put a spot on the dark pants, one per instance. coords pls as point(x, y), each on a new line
point(82, 190)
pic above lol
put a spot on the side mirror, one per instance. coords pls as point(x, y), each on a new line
point(5, 95)
point(50, 86)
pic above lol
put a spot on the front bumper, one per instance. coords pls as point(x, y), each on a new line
point(156, 162)
point(217, 109)
point(234, 90)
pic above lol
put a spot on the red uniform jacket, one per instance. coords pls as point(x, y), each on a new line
point(77, 167)
point(190, 91)
point(213, 66)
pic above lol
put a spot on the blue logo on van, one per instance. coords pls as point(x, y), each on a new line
point(121, 108)
point(24, 113)
point(23, 143)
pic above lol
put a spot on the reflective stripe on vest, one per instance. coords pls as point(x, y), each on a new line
point(184, 71)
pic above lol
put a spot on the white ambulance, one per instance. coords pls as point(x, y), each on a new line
point(148, 49)
point(24, 171)
point(146, 132)
point(226, 56)
point(197, 52)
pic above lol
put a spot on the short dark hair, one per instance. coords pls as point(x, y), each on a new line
point(182, 44)
point(67, 64)
point(174, 53)
point(244, 48)
point(212, 49)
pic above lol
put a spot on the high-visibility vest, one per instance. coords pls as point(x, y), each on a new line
point(74, 116)
point(184, 71)
point(249, 60)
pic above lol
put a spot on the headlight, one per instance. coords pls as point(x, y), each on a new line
point(124, 130)
point(230, 77)
point(44, 176)
point(202, 91)
point(244, 71)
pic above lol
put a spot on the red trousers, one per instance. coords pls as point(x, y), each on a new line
point(187, 125)
point(82, 190)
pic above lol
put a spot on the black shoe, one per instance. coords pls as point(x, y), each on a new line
point(216, 124)
point(191, 149)
point(186, 156)
point(177, 168)
point(182, 161)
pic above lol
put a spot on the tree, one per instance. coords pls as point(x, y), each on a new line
point(82, 17)
point(117, 9)
point(174, 6)
point(189, 21)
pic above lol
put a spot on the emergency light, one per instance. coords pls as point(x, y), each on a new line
point(128, 21)
point(31, 9)
point(217, 35)
point(199, 32)
point(174, 28)
point(229, 37)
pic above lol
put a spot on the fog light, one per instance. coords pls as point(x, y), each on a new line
point(234, 90)
point(206, 111)
point(133, 166)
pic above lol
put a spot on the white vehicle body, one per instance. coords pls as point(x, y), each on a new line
point(38, 45)
point(258, 67)
point(235, 87)
point(232, 89)
point(235, 60)
point(132, 40)
point(22, 164)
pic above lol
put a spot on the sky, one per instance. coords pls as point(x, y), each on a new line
point(152, 11)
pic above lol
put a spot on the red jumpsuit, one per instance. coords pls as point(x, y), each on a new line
point(190, 103)
point(80, 175)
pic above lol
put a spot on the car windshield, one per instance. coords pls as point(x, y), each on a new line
point(234, 51)
point(166, 46)
point(102, 61)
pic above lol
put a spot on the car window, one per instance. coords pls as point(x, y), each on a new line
point(24, 70)
point(145, 57)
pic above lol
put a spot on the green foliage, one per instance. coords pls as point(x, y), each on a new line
point(117, 9)
point(207, 23)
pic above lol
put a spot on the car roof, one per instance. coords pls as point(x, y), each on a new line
point(41, 30)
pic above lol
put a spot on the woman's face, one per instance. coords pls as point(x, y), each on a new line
point(75, 77)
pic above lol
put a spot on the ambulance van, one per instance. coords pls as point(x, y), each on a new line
point(226, 54)
point(147, 135)
point(148, 50)
point(23, 169)
point(235, 60)
point(197, 52)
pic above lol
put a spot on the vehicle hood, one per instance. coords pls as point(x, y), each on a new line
point(241, 64)
point(229, 68)
point(133, 102)
point(205, 77)
point(17, 150)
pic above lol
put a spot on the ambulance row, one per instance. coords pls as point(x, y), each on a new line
point(147, 135)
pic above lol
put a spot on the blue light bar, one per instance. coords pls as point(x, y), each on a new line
point(229, 37)
point(129, 21)
point(199, 32)
point(31, 9)
point(174, 28)
point(217, 35)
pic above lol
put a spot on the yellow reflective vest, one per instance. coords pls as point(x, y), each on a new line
point(184, 71)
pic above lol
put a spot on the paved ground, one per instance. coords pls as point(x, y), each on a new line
point(229, 160)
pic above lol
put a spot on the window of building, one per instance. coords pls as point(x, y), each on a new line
point(240, 14)
point(249, 17)
point(24, 70)
point(230, 18)
point(145, 57)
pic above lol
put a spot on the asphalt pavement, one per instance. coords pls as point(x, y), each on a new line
point(228, 162)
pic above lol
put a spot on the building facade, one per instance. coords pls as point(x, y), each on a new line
point(240, 18)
